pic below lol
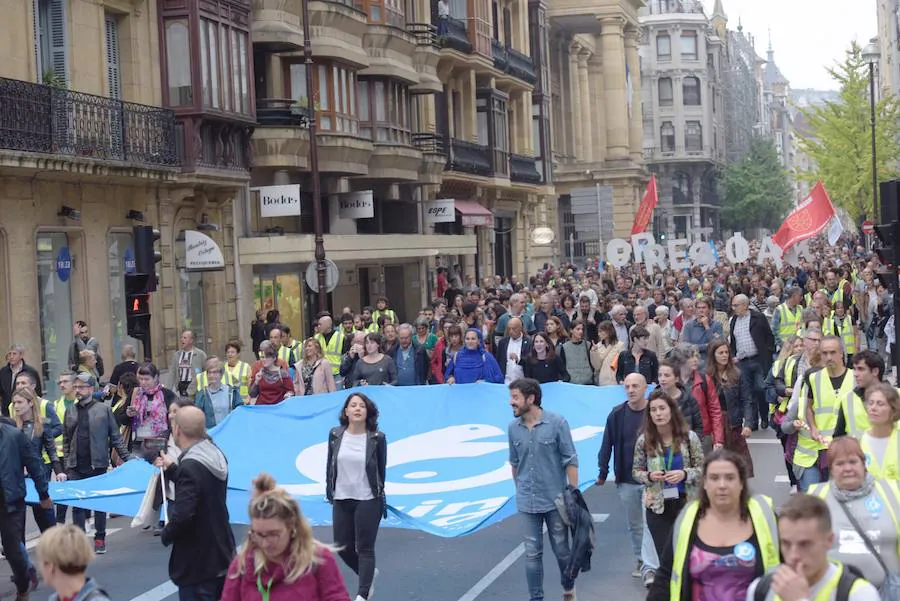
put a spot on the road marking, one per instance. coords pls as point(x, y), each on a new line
point(32, 542)
point(158, 593)
point(782, 478)
point(763, 441)
point(489, 578)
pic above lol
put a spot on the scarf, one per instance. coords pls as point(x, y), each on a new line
point(153, 402)
point(471, 359)
point(845, 496)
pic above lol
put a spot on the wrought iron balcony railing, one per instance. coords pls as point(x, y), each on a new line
point(40, 118)
point(452, 33)
point(429, 143)
point(521, 66)
point(468, 157)
point(283, 112)
point(501, 58)
point(523, 169)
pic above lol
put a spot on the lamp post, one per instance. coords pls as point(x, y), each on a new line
point(871, 55)
point(318, 230)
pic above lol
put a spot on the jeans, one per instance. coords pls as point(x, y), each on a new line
point(355, 528)
point(534, 550)
point(630, 495)
point(660, 524)
point(752, 369)
point(809, 476)
point(648, 551)
point(79, 515)
point(12, 529)
point(209, 590)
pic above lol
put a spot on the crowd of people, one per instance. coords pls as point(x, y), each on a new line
point(801, 349)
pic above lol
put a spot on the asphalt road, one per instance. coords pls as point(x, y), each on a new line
point(415, 566)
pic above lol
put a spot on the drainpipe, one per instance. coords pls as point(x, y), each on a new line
point(243, 197)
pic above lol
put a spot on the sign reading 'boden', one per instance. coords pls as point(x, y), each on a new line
point(279, 201)
point(442, 210)
point(356, 205)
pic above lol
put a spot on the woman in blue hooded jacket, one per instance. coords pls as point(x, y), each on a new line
point(472, 363)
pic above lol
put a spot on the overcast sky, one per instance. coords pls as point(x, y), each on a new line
point(807, 35)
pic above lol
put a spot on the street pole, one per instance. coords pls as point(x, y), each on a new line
point(599, 225)
point(875, 215)
point(318, 229)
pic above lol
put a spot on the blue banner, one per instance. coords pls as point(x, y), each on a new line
point(447, 473)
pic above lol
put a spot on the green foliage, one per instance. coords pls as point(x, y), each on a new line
point(757, 192)
point(54, 80)
point(840, 140)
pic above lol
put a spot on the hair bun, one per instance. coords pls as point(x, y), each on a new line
point(263, 483)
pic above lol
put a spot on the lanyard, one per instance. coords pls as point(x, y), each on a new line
point(265, 592)
point(668, 464)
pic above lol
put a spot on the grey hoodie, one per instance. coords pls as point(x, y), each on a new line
point(210, 456)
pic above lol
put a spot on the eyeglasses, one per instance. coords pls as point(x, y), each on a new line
point(263, 537)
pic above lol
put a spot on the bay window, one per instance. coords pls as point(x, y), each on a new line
point(224, 66)
point(384, 111)
point(384, 12)
point(178, 69)
point(336, 98)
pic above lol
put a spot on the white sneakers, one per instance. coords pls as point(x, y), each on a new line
point(371, 588)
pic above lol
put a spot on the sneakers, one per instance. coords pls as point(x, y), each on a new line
point(99, 546)
point(648, 578)
point(638, 570)
point(569, 595)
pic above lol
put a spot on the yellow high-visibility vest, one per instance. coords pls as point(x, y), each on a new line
point(855, 414)
point(284, 354)
point(843, 329)
point(807, 299)
point(239, 377)
point(788, 321)
point(762, 515)
point(790, 378)
point(827, 404)
point(889, 469)
point(376, 314)
point(332, 349)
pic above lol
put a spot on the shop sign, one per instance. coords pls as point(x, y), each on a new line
point(442, 210)
point(128, 261)
point(63, 264)
point(279, 201)
point(202, 253)
point(356, 205)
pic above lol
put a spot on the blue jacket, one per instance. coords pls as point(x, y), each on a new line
point(16, 453)
point(203, 401)
point(470, 366)
point(91, 591)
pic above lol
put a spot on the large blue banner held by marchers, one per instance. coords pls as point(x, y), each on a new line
point(447, 474)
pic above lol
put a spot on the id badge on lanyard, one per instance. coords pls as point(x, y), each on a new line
point(670, 491)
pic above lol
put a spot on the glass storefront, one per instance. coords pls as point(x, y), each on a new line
point(284, 292)
point(191, 307)
point(55, 298)
point(121, 261)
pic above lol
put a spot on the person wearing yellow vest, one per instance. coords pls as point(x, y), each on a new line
point(838, 290)
point(780, 386)
point(335, 344)
point(293, 345)
point(787, 316)
point(840, 324)
point(237, 372)
point(381, 310)
point(734, 534)
point(873, 504)
point(806, 574)
point(881, 441)
point(283, 354)
point(818, 411)
point(868, 369)
point(368, 324)
point(25, 379)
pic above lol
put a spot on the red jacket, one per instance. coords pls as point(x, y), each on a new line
point(437, 361)
point(324, 583)
point(707, 398)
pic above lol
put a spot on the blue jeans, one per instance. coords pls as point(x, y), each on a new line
point(811, 475)
point(642, 547)
point(209, 590)
point(534, 550)
point(79, 515)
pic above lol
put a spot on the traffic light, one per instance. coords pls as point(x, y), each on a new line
point(145, 254)
point(137, 308)
point(888, 247)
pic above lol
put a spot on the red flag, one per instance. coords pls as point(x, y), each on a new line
point(807, 220)
point(645, 211)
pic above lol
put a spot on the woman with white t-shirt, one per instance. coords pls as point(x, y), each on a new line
point(357, 456)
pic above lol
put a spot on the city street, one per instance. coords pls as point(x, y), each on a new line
point(417, 566)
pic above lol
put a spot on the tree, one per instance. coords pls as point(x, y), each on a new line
point(757, 192)
point(839, 142)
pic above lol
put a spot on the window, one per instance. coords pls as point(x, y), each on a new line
point(113, 71)
point(689, 45)
point(51, 48)
point(665, 91)
point(693, 136)
point(178, 46)
point(384, 111)
point(225, 67)
point(121, 261)
point(663, 46)
point(385, 12)
point(690, 91)
point(667, 136)
point(336, 98)
point(480, 23)
point(54, 305)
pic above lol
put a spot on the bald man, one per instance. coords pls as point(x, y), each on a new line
point(198, 527)
point(512, 349)
point(623, 426)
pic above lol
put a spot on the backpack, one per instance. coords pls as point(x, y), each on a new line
point(849, 576)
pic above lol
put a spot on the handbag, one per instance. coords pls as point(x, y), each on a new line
point(890, 589)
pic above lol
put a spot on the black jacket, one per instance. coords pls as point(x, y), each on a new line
point(7, 386)
point(691, 411)
point(104, 434)
point(649, 366)
point(125, 367)
point(503, 346)
point(16, 453)
point(762, 337)
point(420, 360)
point(198, 529)
point(614, 438)
point(576, 515)
point(376, 462)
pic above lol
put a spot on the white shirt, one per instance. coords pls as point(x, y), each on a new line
point(352, 482)
point(514, 371)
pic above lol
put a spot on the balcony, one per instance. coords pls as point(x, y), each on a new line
point(521, 66)
point(42, 119)
point(665, 7)
point(275, 25)
point(452, 34)
point(523, 169)
point(434, 157)
point(214, 149)
point(425, 58)
point(680, 197)
point(501, 57)
point(468, 157)
point(282, 138)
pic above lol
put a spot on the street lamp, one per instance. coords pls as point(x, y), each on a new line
point(871, 55)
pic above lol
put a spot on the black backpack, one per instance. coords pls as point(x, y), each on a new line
point(849, 576)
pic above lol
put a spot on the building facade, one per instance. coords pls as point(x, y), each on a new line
point(777, 114)
point(684, 114)
point(113, 112)
point(888, 41)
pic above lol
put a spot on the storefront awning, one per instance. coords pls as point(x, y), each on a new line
point(473, 214)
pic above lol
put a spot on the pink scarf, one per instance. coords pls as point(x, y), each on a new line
point(159, 422)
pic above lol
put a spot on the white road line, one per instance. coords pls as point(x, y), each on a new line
point(158, 593)
point(782, 478)
point(489, 578)
point(32, 542)
point(763, 441)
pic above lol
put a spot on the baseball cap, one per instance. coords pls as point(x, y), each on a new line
point(87, 379)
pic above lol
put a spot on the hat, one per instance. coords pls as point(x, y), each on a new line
point(87, 379)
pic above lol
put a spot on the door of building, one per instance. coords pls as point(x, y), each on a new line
point(284, 293)
point(54, 271)
point(395, 286)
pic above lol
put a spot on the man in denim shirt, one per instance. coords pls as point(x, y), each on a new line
point(543, 460)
